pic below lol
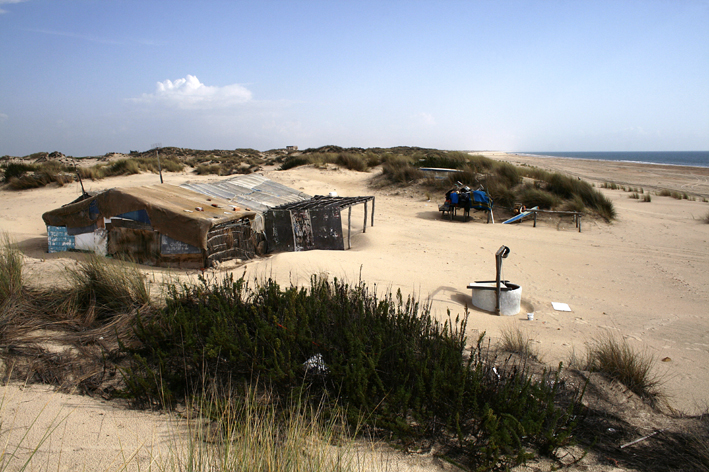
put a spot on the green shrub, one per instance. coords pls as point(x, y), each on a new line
point(664, 193)
point(634, 195)
point(647, 198)
point(386, 361)
point(204, 169)
point(295, 161)
point(14, 170)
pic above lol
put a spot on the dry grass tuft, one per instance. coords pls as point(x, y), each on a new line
point(100, 289)
point(617, 359)
point(10, 270)
point(515, 341)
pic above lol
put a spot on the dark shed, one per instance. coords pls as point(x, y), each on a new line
point(312, 224)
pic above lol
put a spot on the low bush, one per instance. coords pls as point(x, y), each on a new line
point(647, 198)
point(204, 169)
point(634, 195)
point(386, 361)
point(295, 161)
point(15, 170)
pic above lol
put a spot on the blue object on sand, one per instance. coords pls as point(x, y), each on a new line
point(520, 216)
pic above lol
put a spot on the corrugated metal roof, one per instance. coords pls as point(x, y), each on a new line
point(253, 191)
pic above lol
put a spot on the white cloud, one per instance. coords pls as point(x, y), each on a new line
point(6, 2)
point(3, 117)
point(191, 94)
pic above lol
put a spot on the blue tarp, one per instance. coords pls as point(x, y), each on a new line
point(481, 200)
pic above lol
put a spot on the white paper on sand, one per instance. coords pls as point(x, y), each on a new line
point(558, 306)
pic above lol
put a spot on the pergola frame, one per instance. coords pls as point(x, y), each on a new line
point(323, 201)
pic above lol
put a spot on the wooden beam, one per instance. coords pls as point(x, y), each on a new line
point(364, 228)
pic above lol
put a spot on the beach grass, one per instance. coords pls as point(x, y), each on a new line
point(247, 431)
point(241, 433)
point(11, 264)
point(514, 340)
point(613, 356)
point(99, 288)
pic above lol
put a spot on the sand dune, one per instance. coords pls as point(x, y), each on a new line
point(644, 276)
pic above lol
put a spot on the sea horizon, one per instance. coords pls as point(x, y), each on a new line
point(676, 158)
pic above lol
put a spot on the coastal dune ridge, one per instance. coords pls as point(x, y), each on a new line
point(643, 277)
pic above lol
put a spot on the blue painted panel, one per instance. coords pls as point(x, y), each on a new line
point(59, 240)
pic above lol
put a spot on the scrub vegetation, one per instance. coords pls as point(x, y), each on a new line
point(274, 378)
point(507, 184)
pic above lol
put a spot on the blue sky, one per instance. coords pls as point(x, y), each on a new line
point(86, 77)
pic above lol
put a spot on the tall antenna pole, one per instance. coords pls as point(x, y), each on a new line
point(157, 147)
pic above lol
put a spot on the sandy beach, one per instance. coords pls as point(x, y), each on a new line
point(644, 276)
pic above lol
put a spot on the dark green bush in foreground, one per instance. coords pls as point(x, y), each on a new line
point(389, 364)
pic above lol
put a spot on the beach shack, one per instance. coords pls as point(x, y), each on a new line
point(162, 225)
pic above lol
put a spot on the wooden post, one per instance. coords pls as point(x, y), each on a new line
point(349, 227)
point(498, 270)
point(535, 220)
point(372, 211)
point(578, 218)
point(364, 228)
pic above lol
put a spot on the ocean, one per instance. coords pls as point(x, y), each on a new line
point(677, 158)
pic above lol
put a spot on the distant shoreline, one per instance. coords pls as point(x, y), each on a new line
point(595, 156)
point(681, 178)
